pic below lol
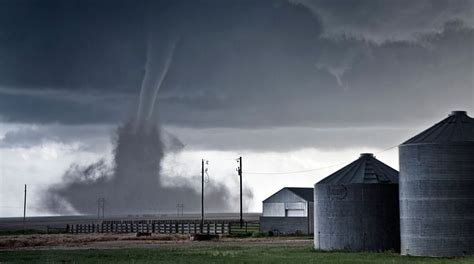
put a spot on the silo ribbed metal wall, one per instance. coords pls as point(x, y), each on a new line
point(437, 199)
point(356, 217)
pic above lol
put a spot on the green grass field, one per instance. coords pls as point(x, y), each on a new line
point(213, 254)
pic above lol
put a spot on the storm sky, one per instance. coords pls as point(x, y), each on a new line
point(289, 85)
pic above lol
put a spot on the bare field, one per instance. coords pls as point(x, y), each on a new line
point(70, 240)
point(111, 240)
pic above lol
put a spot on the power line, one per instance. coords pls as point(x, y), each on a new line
point(294, 172)
point(387, 149)
point(314, 169)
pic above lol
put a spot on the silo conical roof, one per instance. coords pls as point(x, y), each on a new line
point(457, 127)
point(366, 169)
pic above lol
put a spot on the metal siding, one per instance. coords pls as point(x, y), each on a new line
point(277, 204)
point(311, 218)
point(297, 206)
point(437, 199)
point(274, 209)
point(356, 217)
point(285, 209)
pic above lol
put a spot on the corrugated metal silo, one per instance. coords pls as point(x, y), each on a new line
point(437, 189)
point(356, 208)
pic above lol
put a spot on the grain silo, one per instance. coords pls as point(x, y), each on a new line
point(437, 189)
point(356, 208)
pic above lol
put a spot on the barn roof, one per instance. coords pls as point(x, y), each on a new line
point(366, 169)
point(304, 193)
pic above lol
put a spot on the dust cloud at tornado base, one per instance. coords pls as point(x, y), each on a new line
point(133, 184)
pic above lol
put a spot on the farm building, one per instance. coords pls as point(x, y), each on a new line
point(356, 208)
point(437, 189)
point(288, 211)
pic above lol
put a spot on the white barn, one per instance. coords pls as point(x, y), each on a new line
point(289, 211)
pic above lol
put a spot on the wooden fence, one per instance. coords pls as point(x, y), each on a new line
point(247, 227)
point(165, 227)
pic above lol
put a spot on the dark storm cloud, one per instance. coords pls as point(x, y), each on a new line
point(72, 44)
point(380, 20)
point(239, 63)
point(291, 138)
point(90, 137)
point(63, 57)
point(343, 81)
point(64, 106)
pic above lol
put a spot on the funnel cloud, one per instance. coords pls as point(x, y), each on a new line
point(134, 183)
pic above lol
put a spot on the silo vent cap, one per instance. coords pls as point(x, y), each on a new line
point(364, 170)
point(458, 113)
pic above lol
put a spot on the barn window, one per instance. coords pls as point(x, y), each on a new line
point(295, 210)
point(295, 213)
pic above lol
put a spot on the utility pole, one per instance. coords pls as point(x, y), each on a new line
point(202, 196)
point(101, 205)
point(180, 209)
point(98, 208)
point(239, 170)
point(24, 211)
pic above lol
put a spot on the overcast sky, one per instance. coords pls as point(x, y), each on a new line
point(289, 85)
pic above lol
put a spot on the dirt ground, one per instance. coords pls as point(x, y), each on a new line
point(113, 241)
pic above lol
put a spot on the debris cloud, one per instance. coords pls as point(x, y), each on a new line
point(133, 184)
